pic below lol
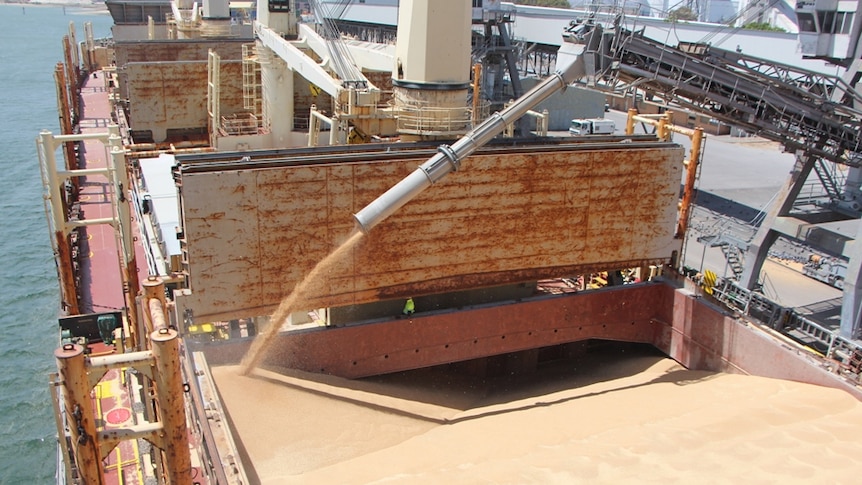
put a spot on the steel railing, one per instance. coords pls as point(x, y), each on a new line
point(847, 353)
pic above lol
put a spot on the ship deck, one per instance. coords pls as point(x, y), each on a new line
point(101, 282)
point(102, 288)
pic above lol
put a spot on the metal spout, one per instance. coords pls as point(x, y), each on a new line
point(409, 187)
point(448, 159)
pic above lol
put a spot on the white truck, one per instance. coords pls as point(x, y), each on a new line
point(593, 126)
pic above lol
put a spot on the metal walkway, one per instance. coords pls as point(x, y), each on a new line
point(846, 353)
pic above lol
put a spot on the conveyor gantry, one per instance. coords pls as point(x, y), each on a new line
point(778, 102)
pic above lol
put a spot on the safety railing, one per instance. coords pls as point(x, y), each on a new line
point(239, 124)
point(428, 120)
point(847, 353)
point(818, 333)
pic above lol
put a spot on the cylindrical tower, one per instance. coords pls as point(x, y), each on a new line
point(278, 105)
point(431, 76)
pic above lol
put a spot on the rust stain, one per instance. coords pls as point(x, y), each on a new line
point(504, 218)
point(176, 93)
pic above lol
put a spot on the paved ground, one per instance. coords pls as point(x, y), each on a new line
point(738, 181)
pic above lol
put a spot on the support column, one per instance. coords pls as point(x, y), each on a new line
point(477, 92)
point(129, 268)
point(79, 412)
point(521, 127)
point(630, 121)
point(851, 306)
point(664, 122)
point(429, 92)
point(154, 289)
point(65, 267)
point(278, 17)
point(278, 106)
point(66, 125)
point(61, 243)
point(169, 385)
point(72, 79)
point(511, 62)
point(313, 127)
point(691, 166)
point(851, 195)
point(759, 247)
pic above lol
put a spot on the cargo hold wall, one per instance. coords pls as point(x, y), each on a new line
point(678, 321)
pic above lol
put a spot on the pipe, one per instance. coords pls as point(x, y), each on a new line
point(80, 417)
point(157, 314)
point(90, 222)
point(103, 136)
point(140, 361)
point(174, 151)
point(154, 291)
point(171, 402)
point(137, 147)
point(448, 158)
point(82, 172)
point(147, 431)
point(690, 180)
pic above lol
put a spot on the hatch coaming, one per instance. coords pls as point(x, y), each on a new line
point(510, 215)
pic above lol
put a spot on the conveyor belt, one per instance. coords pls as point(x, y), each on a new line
point(778, 102)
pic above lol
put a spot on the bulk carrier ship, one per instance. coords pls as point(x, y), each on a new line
point(213, 155)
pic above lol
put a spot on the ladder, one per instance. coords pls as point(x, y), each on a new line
point(251, 85)
point(732, 255)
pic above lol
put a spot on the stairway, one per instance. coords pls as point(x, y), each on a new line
point(733, 256)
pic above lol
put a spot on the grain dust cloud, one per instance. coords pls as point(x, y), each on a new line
point(308, 288)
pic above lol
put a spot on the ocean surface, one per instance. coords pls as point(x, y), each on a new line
point(30, 47)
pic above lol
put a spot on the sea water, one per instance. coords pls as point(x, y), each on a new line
point(30, 47)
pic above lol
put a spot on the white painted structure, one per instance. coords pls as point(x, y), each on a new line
point(545, 25)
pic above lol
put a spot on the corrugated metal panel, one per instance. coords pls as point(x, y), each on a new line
point(168, 95)
point(171, 51)
point(253, 234)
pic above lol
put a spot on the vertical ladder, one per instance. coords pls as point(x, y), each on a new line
point(251, 85)
point(213, 105)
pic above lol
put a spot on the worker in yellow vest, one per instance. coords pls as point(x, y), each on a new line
point(409, 307)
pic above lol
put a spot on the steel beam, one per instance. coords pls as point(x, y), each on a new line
point(758, 249)
point(299, 62)
point(777, 102)
point(851, 306)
